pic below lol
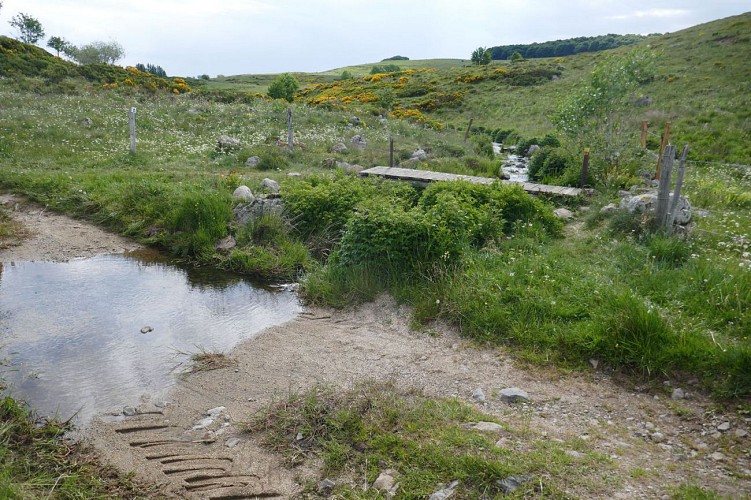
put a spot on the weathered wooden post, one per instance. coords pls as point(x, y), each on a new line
point(469, 127)
point(644, 126)
point(132, 120)
point(290, 132)
point(663, 189)
point(677, 193)
point(585, 168)
point(391, 151)
point(663, 145)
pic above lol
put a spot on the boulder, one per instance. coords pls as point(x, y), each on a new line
point(608, 209)
point(339, 147)
point(252, 162)
point(252, 211)
point(386, 482)
point(563, 213)
point(271, 185)
point(647, 202)
point(419, 155)
point(355, 121)
point(514, 395)
point(643, 101)
point(243, 193)
point(532, 150)
point(349, 167)
point(359, 142)
point(225, 143)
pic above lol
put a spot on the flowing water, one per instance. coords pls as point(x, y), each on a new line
point(70, 333)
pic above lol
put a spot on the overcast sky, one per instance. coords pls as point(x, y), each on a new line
point(192, 37)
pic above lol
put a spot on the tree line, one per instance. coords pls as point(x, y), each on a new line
point(567, 47)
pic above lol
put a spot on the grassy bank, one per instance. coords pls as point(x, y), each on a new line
point(37, 462)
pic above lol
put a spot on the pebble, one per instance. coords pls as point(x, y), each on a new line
point(147, 329)
point(723, 427)
point(512, 483)
point(717, 456)
point(740, 433)
point(203, 423)
point(446, 492)
point(649, 425)
point(385, 482)
point(129, 411)
point(657, 437)
point(478, 394)
point(232, 442)
point(326, 486)
point(299, 436)
point(215, 412)
point(678, 394)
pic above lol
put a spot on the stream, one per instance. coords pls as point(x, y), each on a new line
point(71, 340)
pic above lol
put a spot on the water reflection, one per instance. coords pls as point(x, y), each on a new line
point(71, 332)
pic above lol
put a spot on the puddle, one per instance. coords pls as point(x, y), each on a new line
point(70, 333)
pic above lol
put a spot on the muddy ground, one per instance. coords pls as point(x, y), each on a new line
point(653, 441)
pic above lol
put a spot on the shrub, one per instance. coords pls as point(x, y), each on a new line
point(198, 222)
point(501, 135)
point(482, 145)
point(272, 159)
point(522, 147)
point(283, 87)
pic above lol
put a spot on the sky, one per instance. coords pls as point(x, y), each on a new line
point(229, 37)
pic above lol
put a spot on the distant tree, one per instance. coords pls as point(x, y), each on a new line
point(516, 56)
point(346, 75)
point(396, 58)
point(204, 77)
point(29, 28)
point(96, 52)
point(58, 44)
point(153, 69)
point(283, 87)
point(384, 68)
point(481, 56)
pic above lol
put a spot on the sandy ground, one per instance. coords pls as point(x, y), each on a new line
point(653, 442)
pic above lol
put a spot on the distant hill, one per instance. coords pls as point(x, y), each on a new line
point(570, 46)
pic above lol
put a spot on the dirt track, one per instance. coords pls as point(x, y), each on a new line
point(340, 348)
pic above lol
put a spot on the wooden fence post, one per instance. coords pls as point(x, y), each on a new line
point(663, 190)
point(585, 168)
point(663, 145)
point(290, 132)
point(391, 151)
point(132, 120)
point(644, 126)
point(677, 192)
point(469, 127)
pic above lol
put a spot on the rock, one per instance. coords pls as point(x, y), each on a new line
point(478, 394)
point(326, 486)
point(657, 437)
point(294, 174)
point(215, 412)
point(203, 423)
point(359, 142)
point(419, 155)
point(386, 482)
point(678, 394)
point(243, 193)
point(340, 147)
point(485, 426)
point(574, 454)
point(232, 442)
point(225, 143)
point(445, 493)
point(563, 213)
point(87, 122)
point(271, 185)
point(514, 395)
point(246, 212)
point(355, 121)
point(649, 425)
point(724, 427)
point(226, 244)
point(594, 363)
point(512, 483)
point(608, 209)
point(208, 437)
point(643, 101)
point(349, 168)
point(300, 436)
point(740, 433)
point(253, 161)
point(647, 202)
point(129, 411)
point(717, 456)
point(147, 329)
point(532, 150)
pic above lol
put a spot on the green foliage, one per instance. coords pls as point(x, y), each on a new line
point(198, 222)
point(516, 57)
point(384, 68)
point(481, 56)
point(482, 145)
point(549, 163)
point(96, 53)
point(283, 87)
point(396, 58)
point(561, 48)
point(153, 69)
point(29, 28)
point(346, 75)
point(58, 44)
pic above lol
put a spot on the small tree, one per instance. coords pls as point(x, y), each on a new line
point(516, 56)
point(58, 44)
point(96, 52)
point(283, 87)
point(481, 56)
point(29, 28)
